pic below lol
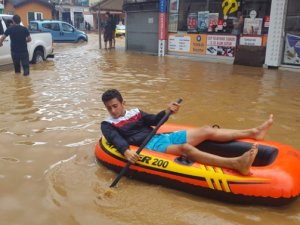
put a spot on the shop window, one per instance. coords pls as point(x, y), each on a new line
point(291, 53)
point(219, 16)
point(293, 17)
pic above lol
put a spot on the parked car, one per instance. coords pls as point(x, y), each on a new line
point(120, 30)
point(61, 31)
point(40, 48)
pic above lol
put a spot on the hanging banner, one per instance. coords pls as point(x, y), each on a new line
point(162, 26)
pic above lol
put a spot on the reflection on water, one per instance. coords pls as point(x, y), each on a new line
point(49, 124)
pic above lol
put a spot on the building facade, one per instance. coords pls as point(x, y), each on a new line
point(247, 32)
point(29, 10)
point(75, 12)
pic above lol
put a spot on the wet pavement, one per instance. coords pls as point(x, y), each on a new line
point(49, 124)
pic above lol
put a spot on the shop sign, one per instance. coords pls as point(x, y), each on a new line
point(203, 44)
point(162, 26)
point(291, 53)
point(251, 41)
point(161, 47)
point(198, 44)
point(221, 45)
point(163, 6)
point(179, 43)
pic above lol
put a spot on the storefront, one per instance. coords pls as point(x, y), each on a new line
point(214, 29)
point(258, 32)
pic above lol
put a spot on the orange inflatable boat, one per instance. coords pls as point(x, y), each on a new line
point(274, 178)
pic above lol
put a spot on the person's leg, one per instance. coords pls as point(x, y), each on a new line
point(114, 39)
point(16, 61)
point(241, 163)
point(25, 63)
point(105, 39)
point(110, 39)
point(198, 135)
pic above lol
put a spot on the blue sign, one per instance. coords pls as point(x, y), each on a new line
point(163, 6)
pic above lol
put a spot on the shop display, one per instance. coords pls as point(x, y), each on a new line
point(252, 26)
point(173, 23)
point(203, 17)
point(213, 22)
point(292, 50)
point(192, 23)
point(174, 6)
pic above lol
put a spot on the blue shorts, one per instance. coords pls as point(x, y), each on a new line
point(160, 142)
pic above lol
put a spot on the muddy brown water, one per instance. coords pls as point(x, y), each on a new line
point(49, 123)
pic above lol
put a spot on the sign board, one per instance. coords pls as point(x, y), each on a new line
point(161, 47)
point(179, 43)
point(251, 41)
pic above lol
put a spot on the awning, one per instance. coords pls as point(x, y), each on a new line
point(108, 5)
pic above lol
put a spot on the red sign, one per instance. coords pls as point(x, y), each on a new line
point(162, 26)
point(267, 21)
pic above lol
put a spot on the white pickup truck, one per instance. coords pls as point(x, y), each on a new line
point(40, 48)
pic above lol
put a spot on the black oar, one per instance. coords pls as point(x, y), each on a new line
point(145, 142)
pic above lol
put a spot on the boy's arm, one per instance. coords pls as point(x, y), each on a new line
point(114, 137)
point(151, 119)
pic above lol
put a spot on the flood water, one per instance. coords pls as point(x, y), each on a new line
point(49, 124)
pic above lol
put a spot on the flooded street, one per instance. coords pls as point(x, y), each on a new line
point(49, 124)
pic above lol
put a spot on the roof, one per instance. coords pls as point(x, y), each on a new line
point(109, 5)
point(17, 3)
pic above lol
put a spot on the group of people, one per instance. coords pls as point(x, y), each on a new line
point(109, 31)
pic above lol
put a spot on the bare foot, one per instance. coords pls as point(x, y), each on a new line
point(261, 131)
point(246, 160)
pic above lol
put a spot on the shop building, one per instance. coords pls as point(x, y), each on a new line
point(248, 32)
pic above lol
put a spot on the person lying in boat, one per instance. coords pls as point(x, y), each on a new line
point(131, 127)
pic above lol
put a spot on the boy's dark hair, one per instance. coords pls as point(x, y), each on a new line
point(16, 19)
point(111, 94)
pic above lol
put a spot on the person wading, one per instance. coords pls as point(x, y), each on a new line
point(19, 36)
